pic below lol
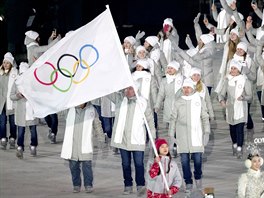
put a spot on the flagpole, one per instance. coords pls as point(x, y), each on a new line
point(142, 112)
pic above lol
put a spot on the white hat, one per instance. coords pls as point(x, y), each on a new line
point(174, 64)
point(242, 46)
point(23, 67)
point(9, 57)
point(140, 48)
point(188, 83)
point(206, 38)
point(143, 63)
point(235, 31)
point(168, 21)
point(229, 2)
point(236, 64)
point(152, 40)
point(32, 34)
point(130, 39)
point(240, 16)
point(195, 70)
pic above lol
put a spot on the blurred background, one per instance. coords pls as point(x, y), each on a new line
point(18, 16)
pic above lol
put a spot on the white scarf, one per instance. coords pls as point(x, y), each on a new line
point(223, 69)
point(12, 76)
point(167, 50)
point(89, 116)
point(239, 83)
point(196, 127)
point(178, 79)
point(145, 86)
point(137, 131)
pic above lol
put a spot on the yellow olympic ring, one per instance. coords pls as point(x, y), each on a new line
point(87, 73)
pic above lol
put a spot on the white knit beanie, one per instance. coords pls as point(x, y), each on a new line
point(242, 46)
point(168, 21)
point(236, 64)
point(152, 40)
point(143, 63)
point(195, 70)
point(32, 34)
point(9, 57)
point(140, 48)
point(130, 39)
point(188, 82)
point(235, 31)
point(174, 64)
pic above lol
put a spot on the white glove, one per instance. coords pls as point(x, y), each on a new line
point(196, 19)
point(140, 35)
point(205, 139)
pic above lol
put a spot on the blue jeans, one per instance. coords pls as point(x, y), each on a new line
point(76, 172)
point(186, 167)
point(52, 122)
point(3, 122)
point(21, 136)
point(138, 157)
point(107, 124)
point(237, 133)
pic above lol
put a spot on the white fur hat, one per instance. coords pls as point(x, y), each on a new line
point(32, 34)
point(174, 64)
point(240, 16)
point(235, 31)
point(152, 40)
point(23, 67)
point(140, 48)
point(236, 64)
point(130, 39)
point(9, 57)
point(207, 38)
point(188, 82)
point(195, 70)
point(143, 63)
point(168, 21)
point(242, 46)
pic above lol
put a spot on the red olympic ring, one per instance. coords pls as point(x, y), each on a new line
point(44, 83)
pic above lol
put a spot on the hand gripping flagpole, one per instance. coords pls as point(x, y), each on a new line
point(141, 110)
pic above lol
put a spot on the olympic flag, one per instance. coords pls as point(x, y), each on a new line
point(86, 64)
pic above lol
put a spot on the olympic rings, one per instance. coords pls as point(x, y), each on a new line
point(55, 71)
point(58, 65)
point(43, 83)
point(80, 54)
point(86, 75)
point(65, 72)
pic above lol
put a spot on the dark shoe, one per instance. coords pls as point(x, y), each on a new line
point(88, 189)
point(76, 189)
point(12, 143)
point(33, 151)
point(3, 143)
point(19, 152)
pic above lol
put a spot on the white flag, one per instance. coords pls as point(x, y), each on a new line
point(86, 64)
